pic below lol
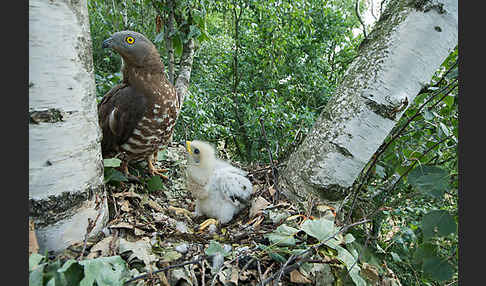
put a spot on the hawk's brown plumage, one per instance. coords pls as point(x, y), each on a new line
point(138, 115)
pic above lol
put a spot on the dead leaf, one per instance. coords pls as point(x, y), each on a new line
point(102, 248)
point(234, 275)
point(259, 221)
point(129, 194)
point(272, 190)
point(33, 245)
point(122, 225)
point(125, 206)
point(297, 277)
point(139, 232)
point(141, 249)
point(154, 205)
point(257, 205)
point(163, 279)
point(293, 217)
point(170, 255)
point(371, 274)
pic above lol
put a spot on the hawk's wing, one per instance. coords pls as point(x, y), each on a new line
point(226, 167)
point(232, 186)
point(118, 114)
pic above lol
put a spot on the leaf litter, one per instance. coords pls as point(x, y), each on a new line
point(152, 228)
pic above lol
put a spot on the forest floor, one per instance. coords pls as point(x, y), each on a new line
point(163, 243)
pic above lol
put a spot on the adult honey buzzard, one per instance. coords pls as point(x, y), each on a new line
point(138, 115)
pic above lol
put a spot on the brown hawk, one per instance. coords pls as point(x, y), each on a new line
point(138, 115)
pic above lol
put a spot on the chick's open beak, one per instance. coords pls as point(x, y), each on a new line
point(188, 147)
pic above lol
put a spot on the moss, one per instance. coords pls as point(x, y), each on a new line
point(51, 115)
point(427, 5)
point(56, 208)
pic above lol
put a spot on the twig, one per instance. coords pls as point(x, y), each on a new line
point(113, 242)
point(203, 273)
point(165, 269)
point(89, 228)
point(260, 277)
point(275, 179)
point(360, 20)
point(373, 8)
point(381, 6)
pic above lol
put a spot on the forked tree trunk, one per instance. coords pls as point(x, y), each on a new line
point(405, 48)
point(65, 164)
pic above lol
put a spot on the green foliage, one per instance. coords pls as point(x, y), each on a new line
point(112, 175)
point(216, 248)
point(438, 223)
point(290, 58)
point(283, 243)
point(283, 236)
point(155, 183)
point(430, 180)
point(100, 271)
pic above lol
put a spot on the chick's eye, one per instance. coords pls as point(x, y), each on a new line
point(196, 151)
point(130, 40)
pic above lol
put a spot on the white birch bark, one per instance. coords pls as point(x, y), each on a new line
point(65, 164)
point(184, 75)
point(402, 53)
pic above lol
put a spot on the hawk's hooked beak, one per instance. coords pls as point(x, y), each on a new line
point(188, 147)
point(107, 43)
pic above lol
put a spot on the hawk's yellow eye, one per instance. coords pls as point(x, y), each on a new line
point(130, 40)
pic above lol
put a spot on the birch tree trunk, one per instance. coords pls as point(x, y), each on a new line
point(65, 165)
point(405, 48)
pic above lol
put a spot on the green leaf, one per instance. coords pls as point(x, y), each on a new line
point(155, 183)
point(349, 238)
point(321, 228)
point(350, 261)
point(112, 174)
point(214, 248)
point(177, 44)
point(111, 270)
point(395, 257)
point(444, 129)
point(37, 275)
point(277, 257)
point(283, 236)
point(380, 171)
point(159, 37)
point(429, 180)
point(438, 223)
point(438, 269)
point(71, 273)
point(112, 162)
point(34, 260)
point(162, 155)
point(51, 274)
point(423, 252)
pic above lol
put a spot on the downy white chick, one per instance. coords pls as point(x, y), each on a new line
point(220, 190)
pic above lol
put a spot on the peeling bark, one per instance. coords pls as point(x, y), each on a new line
point(399, 57)
point(65, 165)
